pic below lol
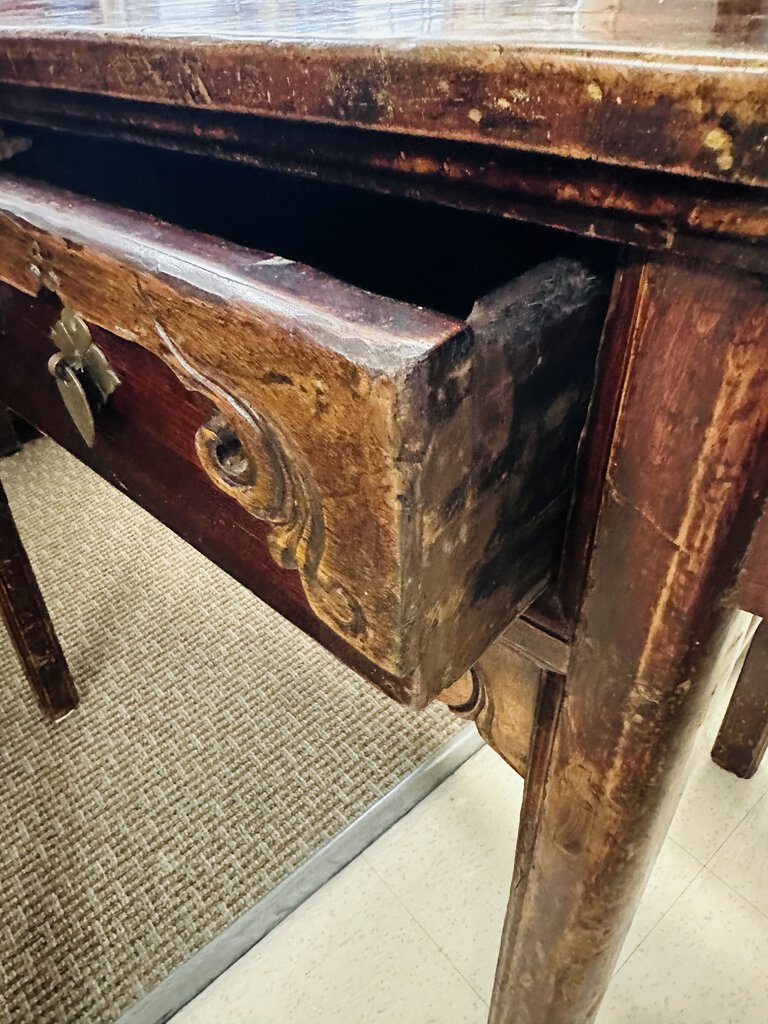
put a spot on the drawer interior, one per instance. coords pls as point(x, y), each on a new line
point(432, 256)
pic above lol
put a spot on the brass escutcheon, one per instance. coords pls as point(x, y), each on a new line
point(83, 375)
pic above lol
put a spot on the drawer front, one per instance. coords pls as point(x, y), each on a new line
point(405, 475)
point(145, 446)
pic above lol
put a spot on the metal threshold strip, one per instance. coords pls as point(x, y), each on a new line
point(191, 977)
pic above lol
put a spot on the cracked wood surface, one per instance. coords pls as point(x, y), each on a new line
point(641, 208)
point(680, 88)
point(409, 467)
point(684, 485)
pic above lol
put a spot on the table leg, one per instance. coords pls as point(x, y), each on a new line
point(609, 756)
point(9, 442)
point(26, 616)
point(743, 737)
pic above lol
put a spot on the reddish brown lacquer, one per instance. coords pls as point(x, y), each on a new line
point(382, 444)
point(678, 87)
point(23, 609)
point(400, 478)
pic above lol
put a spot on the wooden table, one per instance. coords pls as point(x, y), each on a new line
point(445, 482)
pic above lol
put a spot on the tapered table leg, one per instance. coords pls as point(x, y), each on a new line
point(29, 624)
point(609, 757)
point(743, 737)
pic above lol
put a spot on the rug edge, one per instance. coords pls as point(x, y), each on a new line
point(204, 967)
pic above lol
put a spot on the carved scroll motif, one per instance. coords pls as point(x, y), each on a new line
point(253, 461)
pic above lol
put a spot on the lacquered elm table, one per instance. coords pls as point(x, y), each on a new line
point(442, 327)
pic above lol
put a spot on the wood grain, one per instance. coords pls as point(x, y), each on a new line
point(500, 695)
point(146, 448)
point(684, 92)
point(544, 648)
point(632, 206)
point(595, 449)
point(357, 417)
point(743, 738)
point(23, 609)
point(751, 589)
point(681, 490)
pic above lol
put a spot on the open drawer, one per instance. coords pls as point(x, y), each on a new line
point(409, 472)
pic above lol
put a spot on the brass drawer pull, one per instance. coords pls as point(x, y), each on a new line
point(83, 375)
point(413, 468)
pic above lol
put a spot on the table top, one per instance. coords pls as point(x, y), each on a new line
point(664, 26)
point(673, 85)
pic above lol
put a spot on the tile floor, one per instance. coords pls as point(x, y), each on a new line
point(407, 933)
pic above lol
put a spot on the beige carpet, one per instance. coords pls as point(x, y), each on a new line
point(215, 750)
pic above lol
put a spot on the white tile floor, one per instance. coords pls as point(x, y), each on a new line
point(407, 934)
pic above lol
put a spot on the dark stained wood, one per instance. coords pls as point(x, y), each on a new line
point(9, 439)
point(546, 718)
point(594, 452)
point(500, 695)
point(503, 690)
point(421, 253)
point(682, 91)
point(632, 206)
point(751, 590)
point(512, 451)
point(743, 738)
point(394, 479)
point(24, 612)
point(544, 648)
point(358, 417)
point(669, 540)
point(146, 448)
point(556, 612)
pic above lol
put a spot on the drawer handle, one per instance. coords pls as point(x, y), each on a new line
point(83, 376)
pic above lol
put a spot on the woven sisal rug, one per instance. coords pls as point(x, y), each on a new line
point(215, 750)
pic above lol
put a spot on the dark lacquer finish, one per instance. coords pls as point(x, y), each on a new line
point(668, 540)
point(9, 441)
point(743, 738)
point(407, 463)
point(679, 87)
point(639, 122)
point(636, 207)
point(23, 609)
point(751, 590)
point(147, 448)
